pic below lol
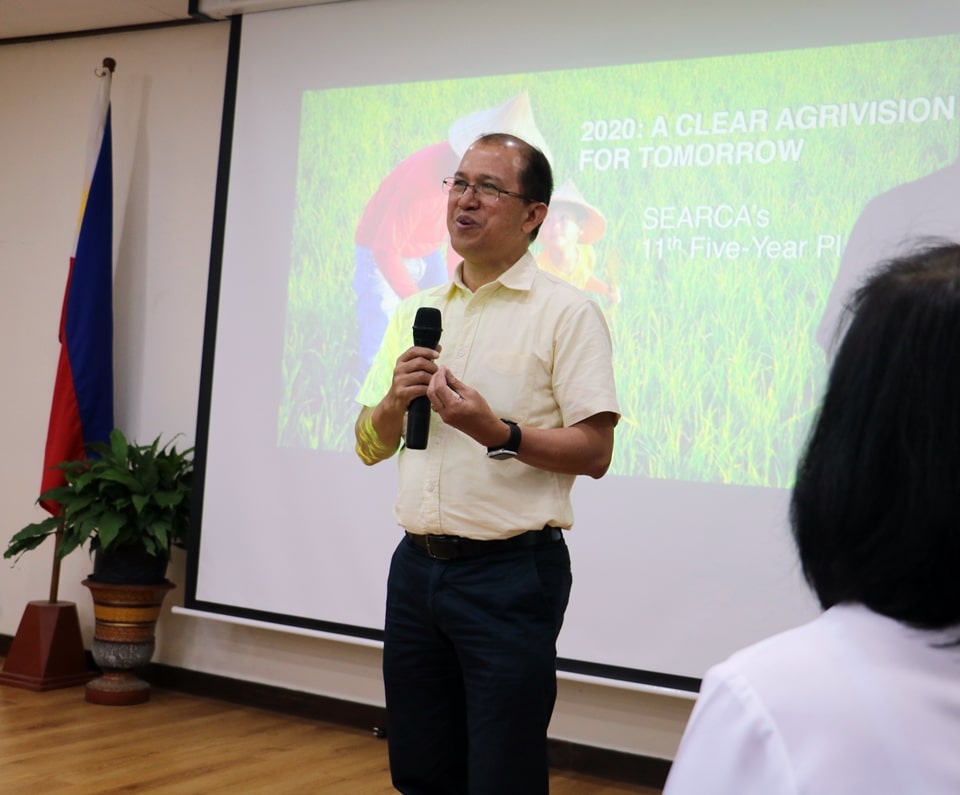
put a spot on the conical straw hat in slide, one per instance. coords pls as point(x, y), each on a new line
point(515, 116)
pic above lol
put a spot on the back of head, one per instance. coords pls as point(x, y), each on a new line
point(876, 506)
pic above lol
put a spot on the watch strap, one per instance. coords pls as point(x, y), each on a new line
point(511, 447)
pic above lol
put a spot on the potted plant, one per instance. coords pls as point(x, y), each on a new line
point(132, 504)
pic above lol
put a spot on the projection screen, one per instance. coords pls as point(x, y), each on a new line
point(734, 152)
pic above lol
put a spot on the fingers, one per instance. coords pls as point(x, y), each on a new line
point(412, 373)
point(441, 405)
point(417, 362)
point(415, 358)
point(441, 393)
point(453, 382)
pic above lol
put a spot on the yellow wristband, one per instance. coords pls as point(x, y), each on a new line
point(369, 447)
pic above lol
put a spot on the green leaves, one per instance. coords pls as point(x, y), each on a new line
point(123, 495)
point(31, 536)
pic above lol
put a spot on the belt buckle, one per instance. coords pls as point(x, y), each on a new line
point(437, 554)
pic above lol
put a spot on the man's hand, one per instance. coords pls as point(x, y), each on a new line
point(411, 377)
point(378, 430)
point(465, 409)
point(584, 448)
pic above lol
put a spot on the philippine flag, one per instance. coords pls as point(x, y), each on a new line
point(82, 409)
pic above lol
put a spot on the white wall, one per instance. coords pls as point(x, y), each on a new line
point(167, 100)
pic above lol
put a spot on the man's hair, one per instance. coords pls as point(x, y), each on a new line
point(875, 510)
point(536, 176)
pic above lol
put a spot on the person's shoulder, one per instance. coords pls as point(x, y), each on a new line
point(565, 304)
point(406, 310)
point(810, 664)
point(559, 288)
point(768, 663)
point(431, 296)
point(553, 295)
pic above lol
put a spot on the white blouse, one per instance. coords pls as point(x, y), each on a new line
point(852, 703)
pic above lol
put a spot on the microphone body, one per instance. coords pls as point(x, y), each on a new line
point(426, 334)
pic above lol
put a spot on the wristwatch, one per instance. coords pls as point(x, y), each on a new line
point(509, 448)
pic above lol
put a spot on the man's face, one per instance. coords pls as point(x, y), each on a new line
point(484, 230)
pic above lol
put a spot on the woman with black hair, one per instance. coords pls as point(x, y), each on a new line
point(865, 699)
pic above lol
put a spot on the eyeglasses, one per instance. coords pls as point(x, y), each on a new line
point(484, 191)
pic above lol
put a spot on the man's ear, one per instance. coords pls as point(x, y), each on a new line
point(536, 213)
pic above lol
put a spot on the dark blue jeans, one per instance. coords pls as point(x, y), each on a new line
point(469, 668)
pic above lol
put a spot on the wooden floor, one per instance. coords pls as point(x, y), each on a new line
point(55, 742)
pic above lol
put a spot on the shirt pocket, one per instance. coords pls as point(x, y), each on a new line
point(509, 380)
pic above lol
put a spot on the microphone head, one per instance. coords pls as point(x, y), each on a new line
point(427, 327)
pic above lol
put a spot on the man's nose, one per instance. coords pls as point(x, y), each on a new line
point(469, 197)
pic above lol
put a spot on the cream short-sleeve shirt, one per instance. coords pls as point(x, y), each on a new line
point(539, 351)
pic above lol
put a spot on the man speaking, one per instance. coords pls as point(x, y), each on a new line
point(523, 401)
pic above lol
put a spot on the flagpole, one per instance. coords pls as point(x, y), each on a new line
point(55, 571)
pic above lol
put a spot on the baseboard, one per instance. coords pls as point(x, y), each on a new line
point(614, 765)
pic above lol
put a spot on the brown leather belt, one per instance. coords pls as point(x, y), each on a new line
point(443, 547)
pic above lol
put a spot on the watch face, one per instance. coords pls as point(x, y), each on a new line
point(500, 455)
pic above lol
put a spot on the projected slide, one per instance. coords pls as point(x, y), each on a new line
point(723, 179)
point(705, 204)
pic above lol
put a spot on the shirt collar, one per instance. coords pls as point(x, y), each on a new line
point(518, 276)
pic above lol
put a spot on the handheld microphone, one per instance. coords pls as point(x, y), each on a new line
point(426, 334)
